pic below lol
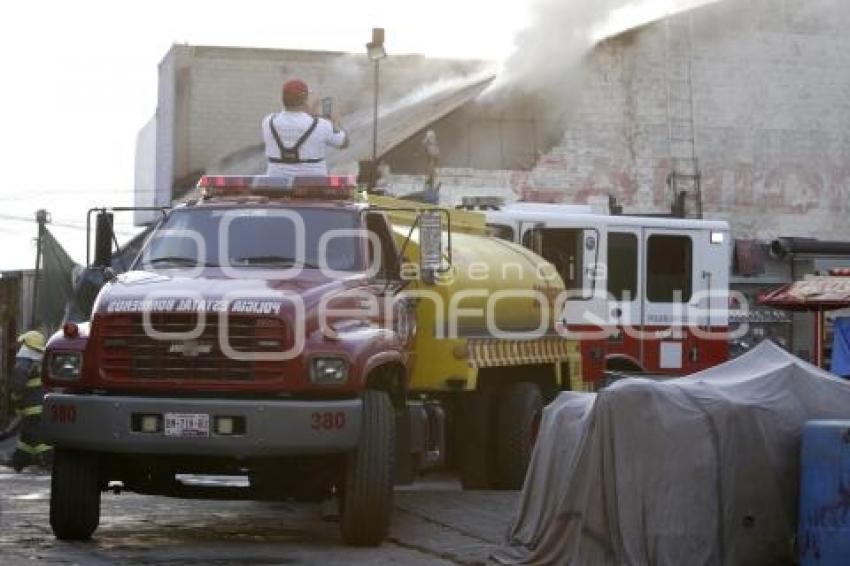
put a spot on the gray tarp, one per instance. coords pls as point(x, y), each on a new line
point(55, 282)
point(697, 470)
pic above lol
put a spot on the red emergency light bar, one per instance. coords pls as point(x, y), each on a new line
point(332, 187)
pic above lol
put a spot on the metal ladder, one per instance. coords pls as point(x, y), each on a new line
point(684, 178)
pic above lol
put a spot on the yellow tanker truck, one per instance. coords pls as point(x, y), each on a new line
point(486, 357)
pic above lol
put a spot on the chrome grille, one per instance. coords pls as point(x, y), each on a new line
point(129, 352)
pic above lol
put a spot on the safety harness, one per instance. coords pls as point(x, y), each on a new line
point(292, 155)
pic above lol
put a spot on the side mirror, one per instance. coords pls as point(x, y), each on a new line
point(430, 244)
point(104, 236)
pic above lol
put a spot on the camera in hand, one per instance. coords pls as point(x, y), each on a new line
point(327, 107)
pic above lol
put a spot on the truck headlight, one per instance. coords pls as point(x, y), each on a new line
point(65, 365)
point(328, 371)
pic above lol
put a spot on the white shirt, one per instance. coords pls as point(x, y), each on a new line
point(290, 126)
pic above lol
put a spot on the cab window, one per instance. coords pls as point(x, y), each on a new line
point(622, 266)
point(501, 231)
point(563, 248)
point(252, 237)
point(669, 261)
point(386, 258)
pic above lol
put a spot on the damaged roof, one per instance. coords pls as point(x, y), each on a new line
point(404, 118)
point(398, 121)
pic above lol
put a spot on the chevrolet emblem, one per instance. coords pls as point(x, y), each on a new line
point(190, 348)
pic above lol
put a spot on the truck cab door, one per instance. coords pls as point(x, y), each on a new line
point(574, 250)
point(382, 258)
point(623, 265)
point(673, 288)
point(707, 339)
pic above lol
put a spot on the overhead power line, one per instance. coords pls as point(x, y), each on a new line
point(62, 224)
point(74, 192)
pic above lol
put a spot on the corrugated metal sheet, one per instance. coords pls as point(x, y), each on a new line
point(813, 293)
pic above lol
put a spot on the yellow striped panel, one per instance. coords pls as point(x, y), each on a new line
point(490, 352)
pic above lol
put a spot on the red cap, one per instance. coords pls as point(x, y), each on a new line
point(294, 92)
point(295, 87)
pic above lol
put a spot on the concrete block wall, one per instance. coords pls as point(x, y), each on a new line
point(772, 116)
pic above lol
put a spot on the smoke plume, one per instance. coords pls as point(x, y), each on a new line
point(548, 52)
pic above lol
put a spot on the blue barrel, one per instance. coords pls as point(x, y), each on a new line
point(824, 529)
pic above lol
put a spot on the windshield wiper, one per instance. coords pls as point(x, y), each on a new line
point(188, 261)
point(273, 260)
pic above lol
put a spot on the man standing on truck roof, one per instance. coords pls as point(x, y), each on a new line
point(296, 139)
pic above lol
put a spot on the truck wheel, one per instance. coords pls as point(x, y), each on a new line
point(520, 406)
point(367, 495)
point(475, 441)
point(74, 495)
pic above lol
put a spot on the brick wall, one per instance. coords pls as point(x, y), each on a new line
point(772, 112)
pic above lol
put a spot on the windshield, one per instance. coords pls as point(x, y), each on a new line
point(255, 237)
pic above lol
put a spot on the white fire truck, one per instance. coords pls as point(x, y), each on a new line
point(648, 293)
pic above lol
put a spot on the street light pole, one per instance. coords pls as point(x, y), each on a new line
point(375, 51)
point(374, 175)
point(41, 218)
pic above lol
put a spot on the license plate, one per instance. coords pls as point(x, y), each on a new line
point(187, 424)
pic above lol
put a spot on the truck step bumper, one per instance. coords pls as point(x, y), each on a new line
point(112, 424)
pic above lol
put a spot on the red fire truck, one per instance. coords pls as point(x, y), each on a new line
point(269, 329)
point(647, 294)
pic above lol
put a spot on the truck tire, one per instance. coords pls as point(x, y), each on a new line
point(475, 441)
point(520, 407)
point(74, 495)
point(366, 500)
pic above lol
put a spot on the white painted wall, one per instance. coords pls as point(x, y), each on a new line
point(145, 171)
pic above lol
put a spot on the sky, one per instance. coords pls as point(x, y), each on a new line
point(80, 79)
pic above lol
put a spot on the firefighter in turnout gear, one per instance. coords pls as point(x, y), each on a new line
point(27, 394)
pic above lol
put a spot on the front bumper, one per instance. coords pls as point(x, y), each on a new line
point(102, 423)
